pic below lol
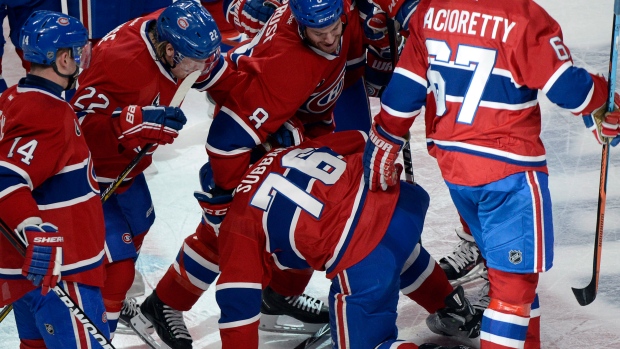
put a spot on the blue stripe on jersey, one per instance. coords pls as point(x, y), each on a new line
point(351, 231)
point(226, 135)
point(491, 154)
point(571, 89)
point(499, 88)
point(85, 267)
point(238, 304)
point(279, 224)
point(8, 179)
point(64, 187)
point(394, 101)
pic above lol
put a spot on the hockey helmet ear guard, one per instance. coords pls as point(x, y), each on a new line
point(45, 32)
point(190, 29)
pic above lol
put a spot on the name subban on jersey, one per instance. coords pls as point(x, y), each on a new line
point(254, 176)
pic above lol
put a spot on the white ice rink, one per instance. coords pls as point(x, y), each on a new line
point(573, 157)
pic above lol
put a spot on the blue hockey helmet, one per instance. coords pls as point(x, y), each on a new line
point(190, 29)
point(44, 32)
point(316, 13)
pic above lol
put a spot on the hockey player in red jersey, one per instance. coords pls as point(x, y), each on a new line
point(478, 66)
point(122, 101)
point(308, 206)
point(262, 98)
point(49, 196)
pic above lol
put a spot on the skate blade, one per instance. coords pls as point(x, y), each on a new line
point(286, 324)
point(479, 272)
point(140, 325)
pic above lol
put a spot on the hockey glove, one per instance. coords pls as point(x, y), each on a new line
point(378, 70)
point(213, 200)
point(380, 155)
point(249, 16)
point(403, 15)
point(605, 126)
point(375, 25)
point(43, 255)
point(289, 134)
point(138, 126)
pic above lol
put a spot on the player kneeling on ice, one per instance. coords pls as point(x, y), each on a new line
point(308, 206)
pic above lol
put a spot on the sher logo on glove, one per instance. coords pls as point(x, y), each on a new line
point(46, 240)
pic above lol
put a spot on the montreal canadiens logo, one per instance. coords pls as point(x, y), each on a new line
point(127, 238)
point(63, 21)
point(321, 101)
point(182, 23)
point(92, 178)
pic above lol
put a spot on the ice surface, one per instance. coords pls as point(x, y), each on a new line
point(574, 160)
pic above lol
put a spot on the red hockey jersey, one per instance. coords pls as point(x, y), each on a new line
point(124, 70)
point(278, 76)
point(46, 172)
point(302, 206)
point(482, 64)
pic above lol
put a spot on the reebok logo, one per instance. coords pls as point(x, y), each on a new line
point(48, 240)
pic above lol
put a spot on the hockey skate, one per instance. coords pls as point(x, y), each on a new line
point(167, 321)
point(465, 263)
point(131, 321)
point(458, 318)
point(276, 310)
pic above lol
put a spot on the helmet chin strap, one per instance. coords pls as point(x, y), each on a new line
point(72, 77)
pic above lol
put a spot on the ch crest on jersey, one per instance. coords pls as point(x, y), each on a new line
point(515, 256)
point(320, 101)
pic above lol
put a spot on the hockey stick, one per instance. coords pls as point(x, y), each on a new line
point(587, 295)
point(179, 95)
point(317, 340)
point(408, 164)
point(5, 312)
point(79, 314)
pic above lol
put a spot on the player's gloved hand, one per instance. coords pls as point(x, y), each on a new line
point(605, 125)
point(249, 16)
point(378, 70)
point(43, 255)
point(289, 134)
point(403, 16)
point(3, 85)
point(138, 126)
point(213, 200)
point(375, 25)
point(380, 155)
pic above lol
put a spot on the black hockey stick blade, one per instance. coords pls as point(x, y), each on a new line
point(317, 340)
point(585, 295)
